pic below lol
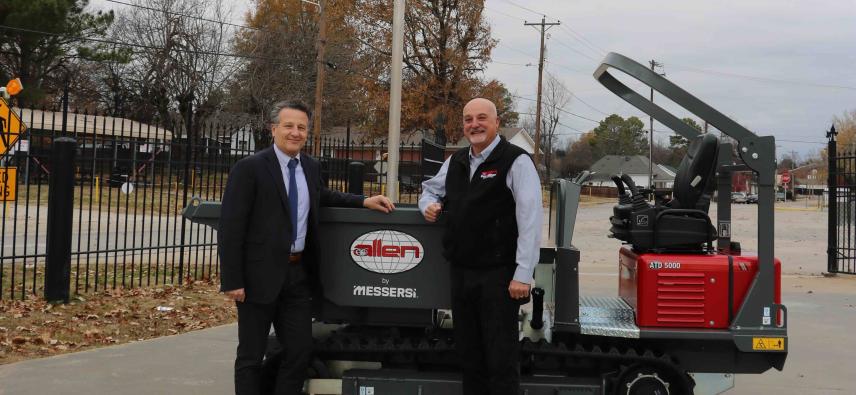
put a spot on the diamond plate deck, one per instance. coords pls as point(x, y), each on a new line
point(607, 316)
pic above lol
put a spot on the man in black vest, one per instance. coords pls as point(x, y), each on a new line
point(267, 239)
point(491, 196)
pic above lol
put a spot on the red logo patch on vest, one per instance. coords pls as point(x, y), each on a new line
point(488, 174)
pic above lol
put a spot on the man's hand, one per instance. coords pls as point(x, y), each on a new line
point(518, 290)
point(379, 203)
point(236, 294)
point(433, 211)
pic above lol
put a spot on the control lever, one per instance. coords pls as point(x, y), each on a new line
point(638, 199)
point(630, 184)
point(623, 196)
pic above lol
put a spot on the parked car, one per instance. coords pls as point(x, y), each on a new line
point(738, 197)
point(780, 196)
point(752, 198)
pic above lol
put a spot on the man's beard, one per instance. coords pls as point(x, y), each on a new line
point(477, 138)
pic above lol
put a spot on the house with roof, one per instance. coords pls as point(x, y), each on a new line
point(810, 179)
point(45, 124)
point(636, 166)
point(127, 146)
point(241, 141)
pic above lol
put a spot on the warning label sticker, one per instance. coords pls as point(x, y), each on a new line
point(724, 228)
point(768, 343)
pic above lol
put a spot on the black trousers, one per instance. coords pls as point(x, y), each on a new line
point(291, 316)
point(486, 329)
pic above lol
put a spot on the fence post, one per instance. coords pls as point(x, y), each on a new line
point(356, 170)
point(188, 151)
point(60, 209)
point(832, 184)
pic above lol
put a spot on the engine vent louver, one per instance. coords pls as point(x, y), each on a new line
point(680, 298)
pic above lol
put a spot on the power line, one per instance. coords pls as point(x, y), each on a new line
point(580, 132)
point(515, 49)
point(357, 38)
point(574, 34)
point(588, 105)
point(152, 47)
point(504, 14)
point(577, 131)
point(143, 46)
point(562, 43)
point(560, 109)
point(527, 9)
point(511, 64)
point(182, 15)
point(802, 141)
point(777, 139)
point(566, 67)
point(761, 79)
point(579, 37)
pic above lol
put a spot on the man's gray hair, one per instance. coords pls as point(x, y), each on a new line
point(290, 104)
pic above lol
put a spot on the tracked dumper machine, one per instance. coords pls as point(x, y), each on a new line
point(691, 312)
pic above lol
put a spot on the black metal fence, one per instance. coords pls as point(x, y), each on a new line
point(131, 182)
point(841, 250)
point(336, 154)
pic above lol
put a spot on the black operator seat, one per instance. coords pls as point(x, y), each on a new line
point(694, 180)
point(683, 223)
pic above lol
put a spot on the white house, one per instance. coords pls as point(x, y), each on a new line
point(241, 142)
point(635, 166)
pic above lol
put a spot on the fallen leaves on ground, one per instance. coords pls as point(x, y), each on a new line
point(33, 328)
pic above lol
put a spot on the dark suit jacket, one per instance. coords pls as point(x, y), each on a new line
point(255, 228)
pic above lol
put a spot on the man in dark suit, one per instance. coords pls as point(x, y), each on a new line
point(267, 238)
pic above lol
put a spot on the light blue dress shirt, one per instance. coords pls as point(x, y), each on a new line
point(302, 196)
point(525, 186)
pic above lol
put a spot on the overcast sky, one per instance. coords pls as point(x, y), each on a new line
point(801, 56)
point(778, 67)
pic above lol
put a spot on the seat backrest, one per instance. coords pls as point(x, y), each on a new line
point(694, 181)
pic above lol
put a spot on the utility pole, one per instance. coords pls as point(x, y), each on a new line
point(396, 65)
point(320, 63)
point(793, 176)
point(543, 26)
point(654, 64)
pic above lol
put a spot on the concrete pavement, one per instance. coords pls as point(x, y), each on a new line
point(193, 363)
point(821, 325)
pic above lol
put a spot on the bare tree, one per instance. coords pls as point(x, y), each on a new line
point(556, 97)
point(180, 61)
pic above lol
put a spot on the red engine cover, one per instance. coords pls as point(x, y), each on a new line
point(686, 290)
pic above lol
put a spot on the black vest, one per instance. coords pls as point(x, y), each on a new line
point(481, 227)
